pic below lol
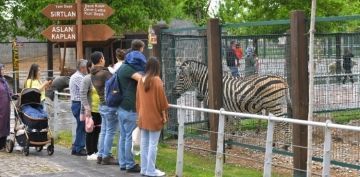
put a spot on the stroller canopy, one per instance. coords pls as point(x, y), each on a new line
point(29, 95)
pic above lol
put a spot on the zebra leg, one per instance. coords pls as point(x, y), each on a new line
point(230, 129)
point(287, 136)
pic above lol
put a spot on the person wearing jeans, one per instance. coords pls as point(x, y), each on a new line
point(75, 85)
point(231, 59)
point(127, 124)
point(110, 124)
point(151, 105)
point(128, 76)
point(99, 75)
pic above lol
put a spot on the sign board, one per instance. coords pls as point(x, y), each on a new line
point(152, 39)
point(96, 11)
point(60, 33)
point(67, 33)
point(97, 32)
point(60, 11)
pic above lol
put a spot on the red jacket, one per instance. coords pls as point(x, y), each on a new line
point(238, 53)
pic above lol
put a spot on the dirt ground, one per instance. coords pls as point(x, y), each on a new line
point(345, 148)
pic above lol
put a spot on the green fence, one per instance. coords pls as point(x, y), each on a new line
point(333, 99)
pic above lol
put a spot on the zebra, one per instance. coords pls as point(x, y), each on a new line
point(248, 95)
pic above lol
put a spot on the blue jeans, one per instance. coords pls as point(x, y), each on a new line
point(234, 71)
point(109, 126)
point(148, 147)
point(127, 124)
point(79, 142)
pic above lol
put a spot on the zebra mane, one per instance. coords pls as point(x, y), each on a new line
point(188, 62)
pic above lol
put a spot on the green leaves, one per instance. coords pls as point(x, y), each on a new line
point(236, 11)
point(130, 15)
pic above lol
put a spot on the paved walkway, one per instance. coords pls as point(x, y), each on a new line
point(61, 164)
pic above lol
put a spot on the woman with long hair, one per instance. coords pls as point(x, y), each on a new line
point(33, 80)
point(151, 106)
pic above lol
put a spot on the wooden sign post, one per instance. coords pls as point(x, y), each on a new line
point(79, 32)
point(79, 41)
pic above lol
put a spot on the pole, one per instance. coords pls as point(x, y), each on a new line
point(269, 148)
point(299, 90)
point(181, 146)
point(311, 86)
point(215, 77)
point(220, 145)
point(15, 62)
point(79, 39)
point(327, 151)
point(50, 59)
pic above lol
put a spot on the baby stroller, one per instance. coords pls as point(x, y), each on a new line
point(31, 124)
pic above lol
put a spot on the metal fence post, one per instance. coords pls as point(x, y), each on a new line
point(327, 101)
point(180, 150)
point(56, 116)
point(220, 146)
point(358, 101)
point(327, 151)
point(269, 147)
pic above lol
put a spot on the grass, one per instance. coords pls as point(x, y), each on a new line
point(64, 139)
point(344, 117)
point(199, 166)
point(195, 165)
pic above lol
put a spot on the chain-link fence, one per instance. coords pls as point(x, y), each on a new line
point(177, 47)
point(263, 157)
point(334, 99)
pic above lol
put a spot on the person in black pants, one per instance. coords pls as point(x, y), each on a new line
point(347, 65)
point(92, 138)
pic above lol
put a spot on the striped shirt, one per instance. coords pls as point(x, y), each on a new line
point(75, 85)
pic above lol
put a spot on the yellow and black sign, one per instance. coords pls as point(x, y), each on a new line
point(15, 63)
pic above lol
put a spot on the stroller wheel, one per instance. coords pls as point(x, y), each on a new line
point(9, 146)
point(39, 149)
point(50, 150)
point(26, 150)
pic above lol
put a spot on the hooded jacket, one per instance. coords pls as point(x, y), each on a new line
point(99, 75)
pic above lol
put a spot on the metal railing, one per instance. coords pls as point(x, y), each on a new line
point(267, 164)
point(61, 122)
point(219, 162)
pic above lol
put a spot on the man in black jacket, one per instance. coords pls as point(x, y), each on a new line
point(230, 59)
point(347, 64)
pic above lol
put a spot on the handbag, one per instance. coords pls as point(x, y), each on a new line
point(136, 137)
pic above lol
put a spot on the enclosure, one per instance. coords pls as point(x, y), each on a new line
point(245, 139)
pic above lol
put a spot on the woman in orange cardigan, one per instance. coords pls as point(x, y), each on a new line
point(151, 105)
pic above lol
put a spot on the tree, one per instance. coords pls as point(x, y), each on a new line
point(4, 27)
point(197, 10)
point(130, 15)
point(236, 11)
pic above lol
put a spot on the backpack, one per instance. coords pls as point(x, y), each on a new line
point(113, 92)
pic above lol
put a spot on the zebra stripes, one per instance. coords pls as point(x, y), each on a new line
point(249, 95)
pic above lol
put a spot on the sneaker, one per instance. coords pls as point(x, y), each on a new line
point(109, 161)
point(92, 157)
point(156, 173)
point(135, 169)
point(81, 153)
point(99, 159)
